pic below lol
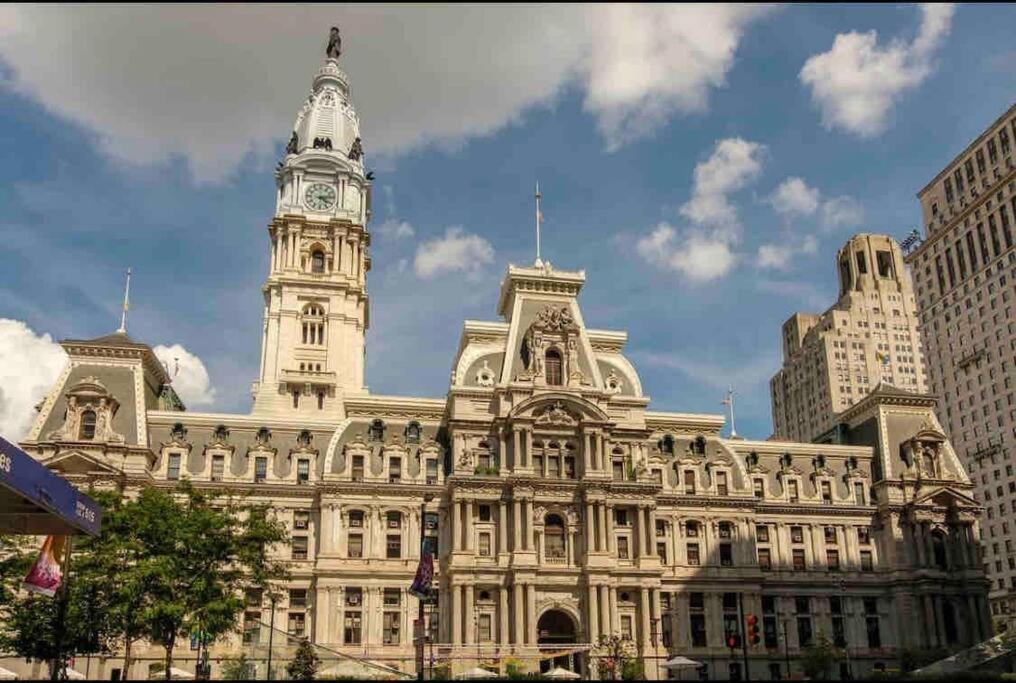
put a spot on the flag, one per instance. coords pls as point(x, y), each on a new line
point(422, 582)
point(45, 575)
point(883, 358)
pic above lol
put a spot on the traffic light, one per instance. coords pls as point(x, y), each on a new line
point(751, 622)
point(733, 640)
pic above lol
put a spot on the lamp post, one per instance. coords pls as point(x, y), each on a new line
point(420, 601)
point(271, 636)
point(785, 620)
point(656, 654)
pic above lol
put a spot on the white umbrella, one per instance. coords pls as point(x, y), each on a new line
point(557, 673)
point(174, 674)
point(7, 675)
point(477, 672)
point(75, 675)
point(679, 662)
point(350, 668)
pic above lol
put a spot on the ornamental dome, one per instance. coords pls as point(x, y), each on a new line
point(327, 123)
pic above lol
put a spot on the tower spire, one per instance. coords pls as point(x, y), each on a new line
point(126, 298)
point(539, 217)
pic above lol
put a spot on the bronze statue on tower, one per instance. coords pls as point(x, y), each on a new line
point(334, 49)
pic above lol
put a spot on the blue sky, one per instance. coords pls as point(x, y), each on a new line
point(156, 152)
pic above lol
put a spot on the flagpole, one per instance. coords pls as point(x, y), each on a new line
point(126, 297)
point(539, 262)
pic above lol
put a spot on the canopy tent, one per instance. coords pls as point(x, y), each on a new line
point(74, 675)
point(36, 501)
point(355, 668)
point(476, 673)
point(174, 674)
point(559, 674)
point(679, 662)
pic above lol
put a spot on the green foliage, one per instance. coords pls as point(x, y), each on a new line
point(914, 658)
point(305, 662)
point(819, 657)
point(633, 670)
point(487, 471)
point(442, 673)
point(235, 668)
point(15, 560)
point(615, 654)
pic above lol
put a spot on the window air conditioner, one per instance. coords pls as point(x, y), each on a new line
point(354, 599)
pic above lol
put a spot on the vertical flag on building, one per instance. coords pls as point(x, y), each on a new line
point(45, 575)
point(422, 582)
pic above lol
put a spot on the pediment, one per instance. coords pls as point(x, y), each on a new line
point(559, 408)
point(942, 496)
point(78, 462)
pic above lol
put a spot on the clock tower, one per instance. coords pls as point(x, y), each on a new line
point(316, 306)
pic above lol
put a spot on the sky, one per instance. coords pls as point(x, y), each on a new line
point(701, 164)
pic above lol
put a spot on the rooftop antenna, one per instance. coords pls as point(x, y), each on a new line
point(729, 402)
point(539, 217)
point(126, 297)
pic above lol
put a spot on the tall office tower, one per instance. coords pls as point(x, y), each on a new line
point(963, 274)
point(869, 336)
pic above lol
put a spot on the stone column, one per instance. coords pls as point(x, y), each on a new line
point(644, 618)
point(529, 448)
point(502, 527)
point(467, 541)
point(640, 530)
point(929, 621)
point(592, 539)
point(973, 618)
point(656, 618)
point(516, 525)
point(519, 600)
point(530, 545)
point(456, 615)
point(502, 616)
point(939, 602)
point(587, 455)
point(651, 514)
point(593, 610)
point(327, 522)
point(611, 538)
point(470, 616)
point(517, 448)
point(615, 625)
point(456, 525)
point(531, 634)
point(605, 611)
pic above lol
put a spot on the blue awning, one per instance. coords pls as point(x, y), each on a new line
point(35, 500)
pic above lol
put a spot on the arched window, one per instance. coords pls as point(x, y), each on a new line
point(553, 541)
point(552, 362)
point(938, 549)
point(376, 431)
point(413, 432)
point(87, 430)
point(317, 261)
point(313, 324)
point(699, 447)
point(667, 445)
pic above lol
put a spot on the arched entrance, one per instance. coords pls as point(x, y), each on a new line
point(556, 627)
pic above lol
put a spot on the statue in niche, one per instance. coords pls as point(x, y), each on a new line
point(334, 49)
point(929, 460)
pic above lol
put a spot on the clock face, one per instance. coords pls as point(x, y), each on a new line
point(320, 197)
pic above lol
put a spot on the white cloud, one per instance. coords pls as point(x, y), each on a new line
point(856, 83)
point(842, 212)
point(794, 197)
point(191, 382)
point(778, 256)
point(646, 62)
point(699, 258)
point(394, 229)
point(456, 250)
point(212, 84)
point(719, 376)
point(734, 163)
point(29, 365)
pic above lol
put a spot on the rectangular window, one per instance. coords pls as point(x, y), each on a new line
point(721, 483)
point(392, 597)
point(864, 535)
point(798, 556)
point(622, 547)
point(251, 627)
point(218, 467)
point(770, 634)
point(394, 470)
point(352, 627)
point(661, 551)
point(693, 554)
point(554, 467)
point(393, 546)
point(764, 561)
point(297, 623)
point(792, 492)
point(355, 545)
point(484, 512)
point(759, 487)
point(833, 560)
point(796, 534)
point(297, 597)
point(689, 482)
point(302, 471)
point(827, 493)
point(884, 261)
point(484, 548)
point(858, 493)
point(260, 469)
point(762, 533)
point(866, 561)
point(862, 263)
point(173, 472)
point(804, 631)
point(698, 630)
point(726, 555)
point(485, 634)
point(301, 519)
point(299, 547)
point(620, 517)
point(829, 533)
point(626, 626)
point(691, 529)
point(617, 470)
point(431, 471)
point(569, 467)
point(357, 468)
point(390, 628)
point(725, 530)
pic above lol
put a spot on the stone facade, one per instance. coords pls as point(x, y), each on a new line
point(831, 361)
point(965, 278)
point(563, 507)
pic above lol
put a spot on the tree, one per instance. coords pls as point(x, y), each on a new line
point(235, 668)
point(818, 658)
point(617, 652)
point(305, 662)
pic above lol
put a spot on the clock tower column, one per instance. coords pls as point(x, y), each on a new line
point(316, 305)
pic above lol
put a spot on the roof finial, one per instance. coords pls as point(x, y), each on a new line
point(126, 298)
point(539, 217)
point(729, 402)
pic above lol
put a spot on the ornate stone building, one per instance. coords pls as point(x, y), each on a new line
point(563, 508)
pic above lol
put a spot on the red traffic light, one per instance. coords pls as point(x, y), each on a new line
point(751, 621)
point(731, 642)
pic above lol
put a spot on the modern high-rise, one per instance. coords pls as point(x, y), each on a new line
point(965, 279)
point(869, 336)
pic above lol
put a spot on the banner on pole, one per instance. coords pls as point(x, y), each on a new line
point(45, 575)
point(422, 582)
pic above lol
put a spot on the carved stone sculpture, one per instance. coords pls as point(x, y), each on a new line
point(334, 49)
point(356, 151)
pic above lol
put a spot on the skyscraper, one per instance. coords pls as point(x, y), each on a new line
point(869, 336)
point(964, 275)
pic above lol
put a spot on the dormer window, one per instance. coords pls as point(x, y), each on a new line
point(376, 431)
point(86, 432)
point(698, 446)
point(552, 364)
point(317, 261)
point(413, 432)
point(667, 445)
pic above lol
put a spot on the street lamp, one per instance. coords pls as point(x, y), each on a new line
point(785, 620)
point(656, 654)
